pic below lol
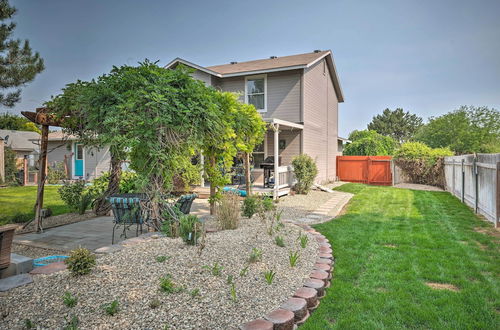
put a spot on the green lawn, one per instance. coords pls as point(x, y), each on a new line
point(18, 202)
point(389, 244)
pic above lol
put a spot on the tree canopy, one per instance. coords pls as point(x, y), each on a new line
point(17, 123)
point(398, 124)
point(466, 130)
point(18, 64)
point(369, 143)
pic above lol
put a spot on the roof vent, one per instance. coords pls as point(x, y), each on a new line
point(273, 57)
point(317, 50)
point(234, 62)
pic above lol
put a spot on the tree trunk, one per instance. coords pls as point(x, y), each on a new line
point(247, 174)
point(101, 205)
point(212, 187)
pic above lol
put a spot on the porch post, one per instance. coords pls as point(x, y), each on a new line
point(202, 173)
point(276, 161)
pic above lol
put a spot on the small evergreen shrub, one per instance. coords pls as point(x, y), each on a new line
point(305, 171)
point(69, 300)
point(250, 205)
point(190, 228)
point(80, 261)
point(112, 308)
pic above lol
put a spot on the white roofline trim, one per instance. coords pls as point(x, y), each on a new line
point(283, 122)
point(191, 64)
point(318, 59)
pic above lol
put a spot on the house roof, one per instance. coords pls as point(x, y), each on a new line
point(299, 60)
point(20, 140)
point(60, 136)
point(283, 63)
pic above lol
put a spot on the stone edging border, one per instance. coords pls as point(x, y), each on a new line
point(297, 309)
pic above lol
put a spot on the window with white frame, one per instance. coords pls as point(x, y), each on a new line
point(255, 92)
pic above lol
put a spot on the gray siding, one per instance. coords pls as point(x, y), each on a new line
point(96, 162)
point(56, 152)
point(203, 76)
point(283, 93)
point(292, 145)
point(320, 120)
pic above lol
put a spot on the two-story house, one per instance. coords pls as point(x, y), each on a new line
point(298, 95)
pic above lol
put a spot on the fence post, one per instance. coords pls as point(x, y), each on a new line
point(476, 177)
point(463, 181)
point(393, 170)
point(497, 219)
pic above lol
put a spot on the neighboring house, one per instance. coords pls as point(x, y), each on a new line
point(298, 95)
point(79, 162)
point(342, 143)
point(25, 144)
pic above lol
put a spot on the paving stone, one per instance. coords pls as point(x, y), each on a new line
point(317, 285)
point(326, 256)
point(325, 267)
point(309, 294)
point(323, 249)
point(259, 324)
point(49, 269)
point(319, 275)
point(325, 245)
point(14, 282)
point(282, 319)
point(324, 261)
point(296, 305)
point(313, 216)
point(109, 249)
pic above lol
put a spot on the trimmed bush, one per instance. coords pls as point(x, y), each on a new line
point(80, 261)
point(305, 171)
point(56, 174)
point(250, 206)
point(71, 194)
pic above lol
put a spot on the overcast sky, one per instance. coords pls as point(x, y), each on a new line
point(426, 56)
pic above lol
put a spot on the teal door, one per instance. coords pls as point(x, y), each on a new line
point(78, 159)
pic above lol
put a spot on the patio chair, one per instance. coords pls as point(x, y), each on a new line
point(185, 202)
point(127, 212)
point(6, 237)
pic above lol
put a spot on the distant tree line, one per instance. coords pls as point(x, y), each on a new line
point(468, 129)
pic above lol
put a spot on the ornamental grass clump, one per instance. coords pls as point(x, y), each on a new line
point(305, 171)
point(190, 229)
point(80, 261)
point(228, 211)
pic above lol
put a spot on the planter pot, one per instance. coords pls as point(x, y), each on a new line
point(6, 237)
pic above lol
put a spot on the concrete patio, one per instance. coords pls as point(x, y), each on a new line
point(91, 234)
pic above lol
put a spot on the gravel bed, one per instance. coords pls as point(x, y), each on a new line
point(132, 277)
point(298, 206)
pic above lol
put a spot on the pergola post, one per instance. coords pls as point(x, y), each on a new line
point(42, 172)
point(276, 161)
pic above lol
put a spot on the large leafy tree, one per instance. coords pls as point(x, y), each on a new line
point(18, 64)
point(468, 129)
point(369, 143)
point(398, 124)
point(17, 123)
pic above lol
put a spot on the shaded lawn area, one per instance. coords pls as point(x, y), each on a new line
point(16, 203)
point(389, 244)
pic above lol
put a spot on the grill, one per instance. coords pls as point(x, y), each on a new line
point(268, 166)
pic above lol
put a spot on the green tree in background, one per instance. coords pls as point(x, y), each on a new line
point(17, 123)
point(369, 143)
point(466, 130)
point(18, 64)
point(398, 124)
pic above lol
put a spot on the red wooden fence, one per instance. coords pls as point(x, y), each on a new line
point(365, 169)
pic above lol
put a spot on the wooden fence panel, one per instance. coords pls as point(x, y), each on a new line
point(365, 169)
point(474, 179)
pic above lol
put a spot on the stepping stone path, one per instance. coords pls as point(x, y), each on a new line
point(14, 281)
point(330, 209)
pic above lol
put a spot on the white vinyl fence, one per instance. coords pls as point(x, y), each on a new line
point(475, 180)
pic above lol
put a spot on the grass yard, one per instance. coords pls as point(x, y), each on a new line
point(16, 203)
point(391, 246)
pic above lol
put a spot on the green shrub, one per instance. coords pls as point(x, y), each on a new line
point(255, 255)
point(279, 241)
point(369, 143)
point(71, 194)
point(162, 258)
point(305, 171)
point(250, 205)
point(303, 240)
point(170, 228)
point(167, 285)
point(69, 300)
point(267, 203)
point(112, 308)
point(228, 211)
point(80, 261)
point(129, 183)
point(10, 167)
point(216, 269)
point(293, 258)
point(56, 174)
point(269, 276)
point(190, 228)
point(19, 217)
point(72, 323)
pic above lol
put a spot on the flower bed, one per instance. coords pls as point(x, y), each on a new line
point(197, 299)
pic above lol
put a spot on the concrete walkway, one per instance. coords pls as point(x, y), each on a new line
point(330, 209)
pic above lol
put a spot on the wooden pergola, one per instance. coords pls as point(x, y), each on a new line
point(45, 119)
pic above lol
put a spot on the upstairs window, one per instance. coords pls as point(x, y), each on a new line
point(255, 92)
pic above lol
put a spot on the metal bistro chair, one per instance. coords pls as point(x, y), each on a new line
point(185, 202)
point(127, 212)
